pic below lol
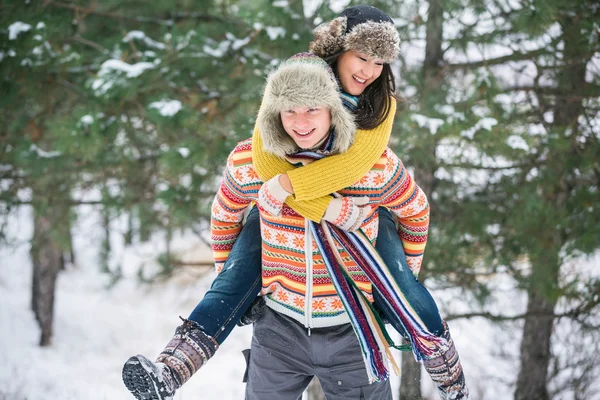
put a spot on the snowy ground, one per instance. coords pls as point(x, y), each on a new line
point(97, 328)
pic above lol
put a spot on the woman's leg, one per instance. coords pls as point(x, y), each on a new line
point(197, 339)
point(444, 367)
point(236, 287)
point(391, 251)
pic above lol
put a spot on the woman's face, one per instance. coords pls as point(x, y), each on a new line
point(307, 126)
point(356, 71)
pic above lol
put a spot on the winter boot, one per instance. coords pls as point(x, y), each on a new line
point(446, 371)
point(189, 349)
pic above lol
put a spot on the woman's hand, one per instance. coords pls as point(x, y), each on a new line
point(272, 195)
point(347, 213)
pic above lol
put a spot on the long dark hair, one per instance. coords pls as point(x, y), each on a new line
point(374, 103)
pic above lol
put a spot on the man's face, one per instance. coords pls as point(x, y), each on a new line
point(307, 126)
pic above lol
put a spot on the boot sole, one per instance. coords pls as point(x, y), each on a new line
point(139, 382)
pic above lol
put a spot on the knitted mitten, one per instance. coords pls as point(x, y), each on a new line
point(187, 351)
point(272, 195)
point(347, 213)
point(446, 371)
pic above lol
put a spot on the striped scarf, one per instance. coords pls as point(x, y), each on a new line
point(374, 341)
point(349, 101)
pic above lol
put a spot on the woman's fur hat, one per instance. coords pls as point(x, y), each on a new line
point(364, 29)
point(303, 80)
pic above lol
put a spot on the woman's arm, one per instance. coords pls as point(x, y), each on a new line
point(337, 172)
point(320, 178)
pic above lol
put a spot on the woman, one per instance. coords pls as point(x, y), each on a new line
point(359, 45)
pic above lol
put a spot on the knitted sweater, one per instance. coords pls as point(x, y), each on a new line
point(313, 183)
point(295, 281)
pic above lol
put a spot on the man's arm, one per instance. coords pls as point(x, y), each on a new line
point(236, 191)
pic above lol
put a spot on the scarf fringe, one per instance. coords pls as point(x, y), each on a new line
point(425, 344)
point(374, 341)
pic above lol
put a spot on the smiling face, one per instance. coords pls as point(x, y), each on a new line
point(356, 71)
point(307, 126)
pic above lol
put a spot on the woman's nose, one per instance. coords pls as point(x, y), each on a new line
point(367, 70)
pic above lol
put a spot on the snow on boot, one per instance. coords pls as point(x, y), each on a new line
point(187, 351)
point(446, 371)
point(148, 380)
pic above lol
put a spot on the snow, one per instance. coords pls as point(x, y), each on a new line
point(131, 70)
point(433, 124)
point(338, 5)
point(484, 123)
point(43, 153)
point(106, 78)
point(98, 326)
point(167, 108)
point(17, 28)
point(219, 51)
point(141, 36)
point(236, 43)
point(184, 152)
point(86, 120)
point(275, 32)
point(517, 142)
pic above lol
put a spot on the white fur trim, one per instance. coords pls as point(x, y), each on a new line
point(301, 85)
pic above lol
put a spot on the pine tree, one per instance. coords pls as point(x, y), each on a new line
point(130, 109)
point(509, 168)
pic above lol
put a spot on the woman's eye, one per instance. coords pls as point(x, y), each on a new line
point(362, 58)
point(313, 109)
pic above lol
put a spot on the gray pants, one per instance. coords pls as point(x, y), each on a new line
point(284, 359)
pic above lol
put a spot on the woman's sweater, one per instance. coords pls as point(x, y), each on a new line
point(295, 281)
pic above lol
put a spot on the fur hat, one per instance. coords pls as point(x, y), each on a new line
point(303, 80)
point(364, 29)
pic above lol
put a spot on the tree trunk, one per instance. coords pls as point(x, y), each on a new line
point(543, 288)
point(425, 164)
point(410, 381)
point(535, 345)
point(314, 390)
point(433, 45)
point(46, 254)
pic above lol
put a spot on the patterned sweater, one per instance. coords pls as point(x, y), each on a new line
point(295, 281)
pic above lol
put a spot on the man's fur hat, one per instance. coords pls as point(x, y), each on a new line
point(303, 80)
point(364, 29)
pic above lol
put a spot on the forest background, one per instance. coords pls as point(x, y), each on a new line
point(116, 118)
